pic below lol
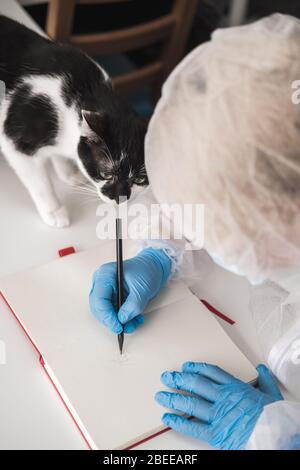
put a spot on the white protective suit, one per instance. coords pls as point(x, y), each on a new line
point(226, 134)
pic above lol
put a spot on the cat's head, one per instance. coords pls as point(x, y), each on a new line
point(111, 153)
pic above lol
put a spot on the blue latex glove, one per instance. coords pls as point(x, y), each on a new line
point(144, 276)
point(224, 409)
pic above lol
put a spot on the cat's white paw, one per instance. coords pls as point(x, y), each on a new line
point(57, 219)
point(75, 179)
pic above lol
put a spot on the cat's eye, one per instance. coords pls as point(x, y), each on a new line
point(106, 177)
point(139, 181)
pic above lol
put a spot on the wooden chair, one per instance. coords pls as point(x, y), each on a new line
point(171, 30)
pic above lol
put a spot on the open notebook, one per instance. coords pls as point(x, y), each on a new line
point(111, 397)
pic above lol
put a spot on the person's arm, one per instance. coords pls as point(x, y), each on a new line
point(282, 422)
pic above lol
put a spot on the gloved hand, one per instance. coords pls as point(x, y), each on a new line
point(224, 409)
point(144, 276)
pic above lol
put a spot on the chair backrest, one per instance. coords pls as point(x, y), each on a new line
point(171, 30)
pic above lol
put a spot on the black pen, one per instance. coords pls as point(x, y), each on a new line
point(120, 292)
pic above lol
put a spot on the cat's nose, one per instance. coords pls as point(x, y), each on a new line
point(119, 192)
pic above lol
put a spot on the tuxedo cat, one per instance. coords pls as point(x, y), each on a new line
point(60, 106)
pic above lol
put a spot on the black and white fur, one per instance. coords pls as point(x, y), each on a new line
point(60, 106)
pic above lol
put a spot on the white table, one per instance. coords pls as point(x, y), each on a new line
point(31, 414)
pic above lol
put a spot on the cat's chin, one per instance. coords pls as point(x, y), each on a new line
point(112, 202)
point(106, 199)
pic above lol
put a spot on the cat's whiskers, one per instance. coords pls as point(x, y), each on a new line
point(142, 171)
point(107, 153)
point(89, 199)
point(85, 191)
point(87, 186)
point(87, 195)
point(131, 172)
point(110, 162)
point(88, 189)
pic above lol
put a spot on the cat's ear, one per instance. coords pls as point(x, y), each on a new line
point(92, 123)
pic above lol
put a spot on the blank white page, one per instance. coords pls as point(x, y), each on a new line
point(112, 396)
